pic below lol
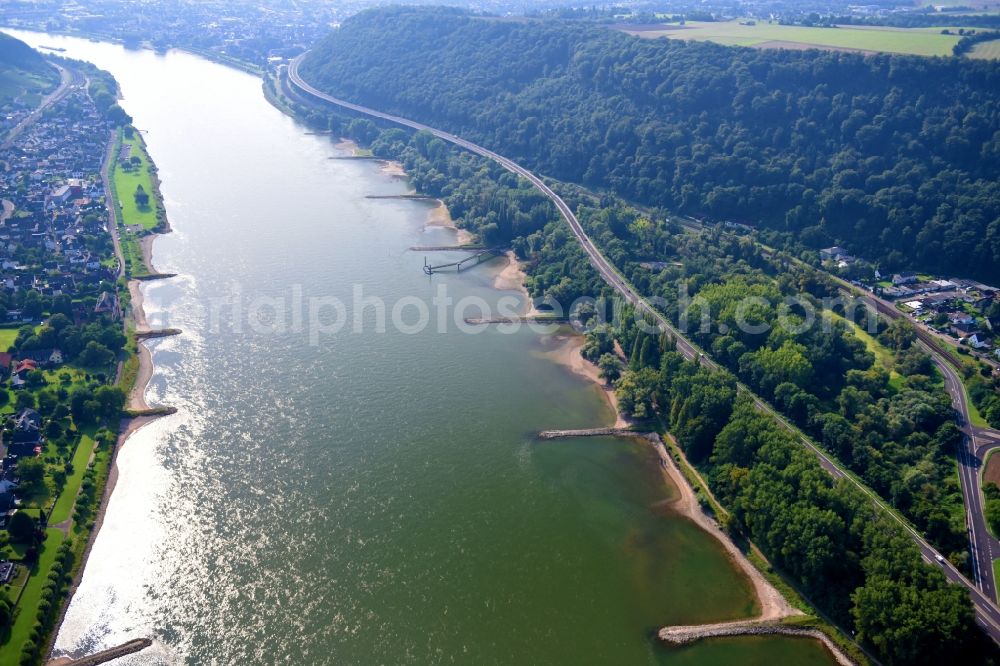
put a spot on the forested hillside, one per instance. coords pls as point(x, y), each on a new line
point(23, 71)
point(895, 157)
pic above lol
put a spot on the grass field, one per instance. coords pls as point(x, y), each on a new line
point(81, 458)
point(916, 41)
point(27, 609)
point(126, 182)
point(7, 337)
point(132, 217)
point(975, 418)
point(882, 355)
point(991, 468)
point(986, 50)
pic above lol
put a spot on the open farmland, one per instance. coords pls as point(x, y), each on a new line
point(916, 41)
point(986, 50)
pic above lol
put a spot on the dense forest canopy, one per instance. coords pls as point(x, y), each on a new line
point(15, 53)
point(23, 73)
point(895, 157)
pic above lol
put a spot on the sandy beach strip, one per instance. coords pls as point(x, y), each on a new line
point(567, 350)
point(511, 278)
point(439, 216)
point(138, 313)
point(347, 146)
point(393, 169)
point(137, 394)
point(773, 606)
point(146, 245)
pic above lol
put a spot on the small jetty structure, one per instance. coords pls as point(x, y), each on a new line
point(473, 259)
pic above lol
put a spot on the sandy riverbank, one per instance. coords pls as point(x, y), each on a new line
point(773, 606)
point(387, 167)
point(392, 169)
point(566, 349)
point(511, 278)
point(347, 146)
point(439, 216)
point(137, 394)
point(138, 314)
point(146, 246)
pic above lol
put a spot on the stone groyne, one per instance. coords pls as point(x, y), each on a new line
point(158, 333)
point(596, 432)
point(521, 319)
point(690, 634)
point(131, 647)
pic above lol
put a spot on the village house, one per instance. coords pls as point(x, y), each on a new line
point(961, 318)
point(977, 341)
point(7, 571)
point(963, 330)
point(107, 303)
point(834, 253)
point(26, 437)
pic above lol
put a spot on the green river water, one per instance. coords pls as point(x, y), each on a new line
point(362, 497)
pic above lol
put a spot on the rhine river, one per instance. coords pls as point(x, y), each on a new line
point(362, 497)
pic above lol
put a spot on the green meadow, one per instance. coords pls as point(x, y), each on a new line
point(916, 41)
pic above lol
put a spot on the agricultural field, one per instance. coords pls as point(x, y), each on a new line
point(915, 41)
point(986, 51)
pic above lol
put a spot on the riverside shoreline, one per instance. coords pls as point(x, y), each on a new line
point(774, 608)
point(135, 399)
point(437, 216)
point(566, 349)
point(137, 393)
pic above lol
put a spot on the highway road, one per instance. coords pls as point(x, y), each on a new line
point(976, 444)
point(987, 613)
point(985, 547)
